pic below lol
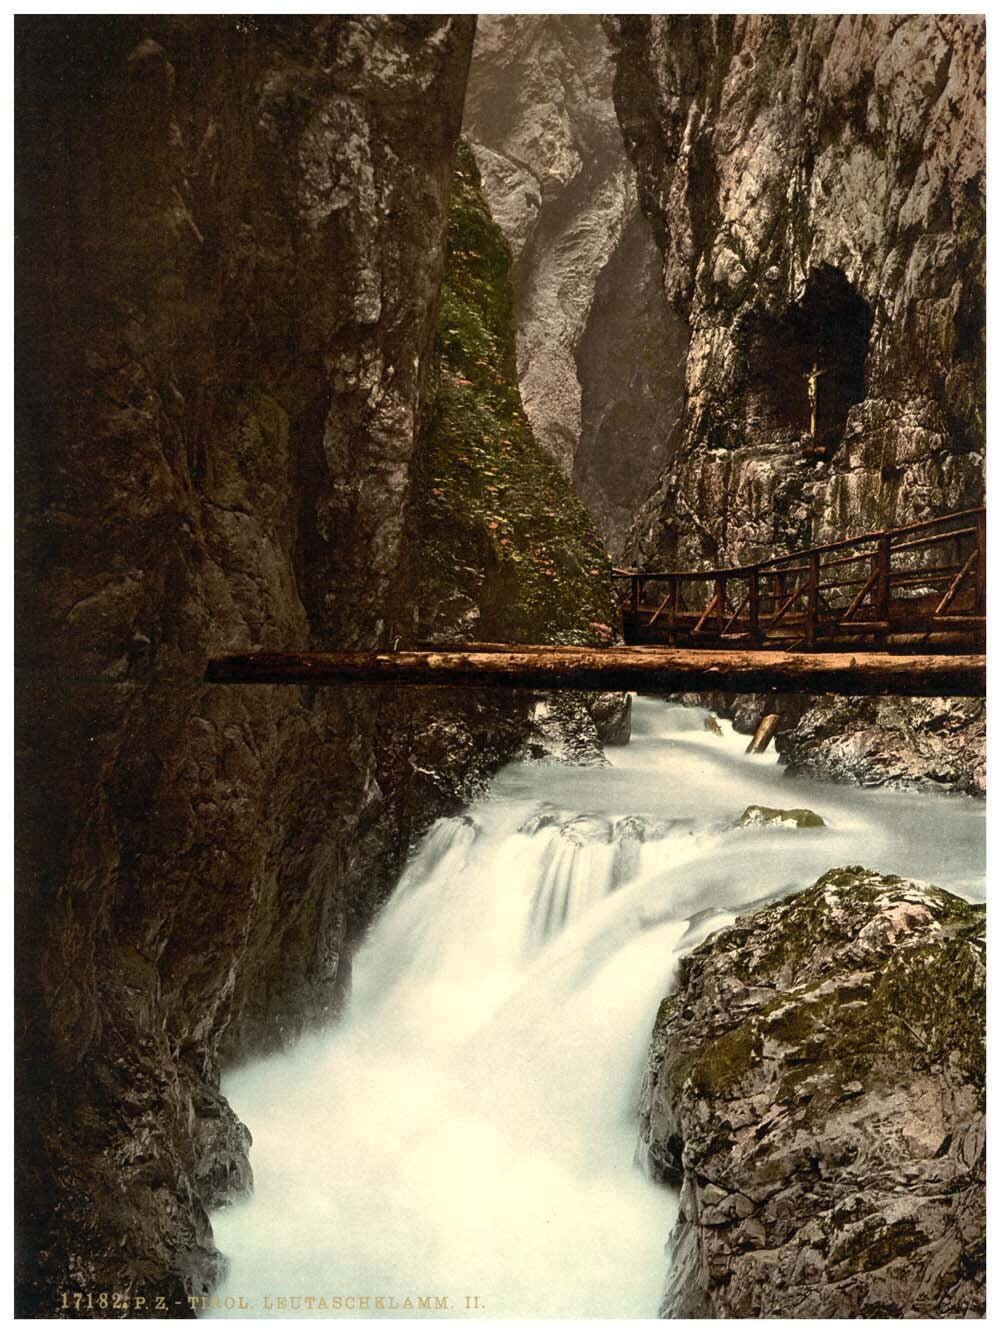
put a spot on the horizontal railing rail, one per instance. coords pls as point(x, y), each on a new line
point(805, 597)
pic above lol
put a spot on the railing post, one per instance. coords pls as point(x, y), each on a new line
point(812, 598)
point(980, 564)
point(672, 604)
point(882, 582)
point(753, 596)
point(720, 592)
point(635, 595)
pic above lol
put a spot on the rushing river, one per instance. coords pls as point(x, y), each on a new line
point(467, 1133)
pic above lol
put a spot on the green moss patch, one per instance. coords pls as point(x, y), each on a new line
point(766, 814)
point(496, 519)
point(722, 1063)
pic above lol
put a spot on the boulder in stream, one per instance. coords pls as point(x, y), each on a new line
point(766, 814)
point(816, 1085)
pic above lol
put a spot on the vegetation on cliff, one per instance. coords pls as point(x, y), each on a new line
point(498, 523)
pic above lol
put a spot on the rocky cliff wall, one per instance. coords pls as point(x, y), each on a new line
point(230, 244)
point(600, 352)
point(817, 187)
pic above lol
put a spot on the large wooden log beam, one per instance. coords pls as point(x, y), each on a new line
point(657, 670)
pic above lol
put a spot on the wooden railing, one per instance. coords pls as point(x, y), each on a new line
point(921, 587)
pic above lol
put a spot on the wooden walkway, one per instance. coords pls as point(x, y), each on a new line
point(919, 588)
point(896, 612)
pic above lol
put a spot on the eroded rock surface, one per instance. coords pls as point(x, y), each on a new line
point(929, 744)
point(230, 242)
point(816, 1084)
point(816, 184)
point(600, 352)
point(918, 744)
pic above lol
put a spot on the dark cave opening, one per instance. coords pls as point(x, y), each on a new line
point(824, 336)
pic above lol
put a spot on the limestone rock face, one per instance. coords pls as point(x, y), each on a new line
point(816, 1084)
point(932, 744)
point(600, 353)
point(816, 184)
point(230, 248)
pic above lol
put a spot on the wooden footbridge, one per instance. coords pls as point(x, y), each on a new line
point(920, 588)
point(899, 611)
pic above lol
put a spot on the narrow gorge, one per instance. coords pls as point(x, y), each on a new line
point(364, 332)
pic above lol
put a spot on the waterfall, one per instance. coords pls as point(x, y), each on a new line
point(467, 1132)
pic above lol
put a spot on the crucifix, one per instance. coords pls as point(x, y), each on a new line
point(812, 376)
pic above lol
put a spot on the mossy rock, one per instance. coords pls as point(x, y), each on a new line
point(495, 519)
point(755, 815)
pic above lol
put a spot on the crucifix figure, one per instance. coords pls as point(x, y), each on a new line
point(812, 376)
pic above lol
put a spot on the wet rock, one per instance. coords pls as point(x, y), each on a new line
point(584, 829)
point(928, 744)
point(546, 816)
point(564, 731)
point(816, 1084)
point(612, 715)
point(222, 1144)
point(755, 815)
point(645, 828)
point(629, 834)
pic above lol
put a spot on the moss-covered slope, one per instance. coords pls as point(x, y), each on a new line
point(508, 552)
point(817, 1084)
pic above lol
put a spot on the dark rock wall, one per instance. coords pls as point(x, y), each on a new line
point(600, 352)
point(817, 187)
point(816, 1086)
point(230, 243)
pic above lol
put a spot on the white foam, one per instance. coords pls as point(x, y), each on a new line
point(469, 1128)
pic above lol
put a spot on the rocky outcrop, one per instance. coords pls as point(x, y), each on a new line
point(612, 714)
point(600, 353)
point(507, 551)
point(816, 1085)
point(919, 744)
point(230, 243)
point(756, 815)
point(817, 186)
point(927, 744)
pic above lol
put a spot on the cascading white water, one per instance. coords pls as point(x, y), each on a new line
point(467, 1132)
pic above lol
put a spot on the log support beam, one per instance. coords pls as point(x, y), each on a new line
point(654, 670)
